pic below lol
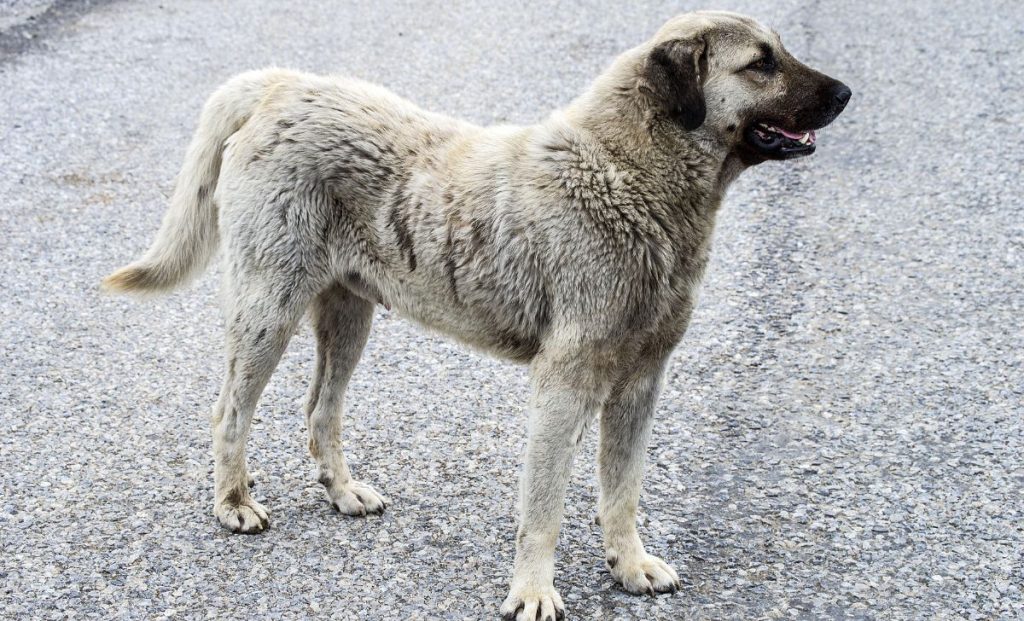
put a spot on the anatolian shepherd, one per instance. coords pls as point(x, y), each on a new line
point(574, 245)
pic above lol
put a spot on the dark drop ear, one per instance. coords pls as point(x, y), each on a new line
point(674, 77)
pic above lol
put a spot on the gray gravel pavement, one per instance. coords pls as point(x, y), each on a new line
point(841, 435)
point(18, 12)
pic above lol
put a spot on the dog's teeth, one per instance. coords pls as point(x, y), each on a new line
point(806, 138)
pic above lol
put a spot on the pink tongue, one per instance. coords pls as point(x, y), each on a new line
point(790, 134)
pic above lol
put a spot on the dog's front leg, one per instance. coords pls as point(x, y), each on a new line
point(567, 390)
point(626, 421)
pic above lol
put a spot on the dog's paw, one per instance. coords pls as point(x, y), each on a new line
point(356, 498)
point(643, 574)
point(533, 604)
point(248, 516)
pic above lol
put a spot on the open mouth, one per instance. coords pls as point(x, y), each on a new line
point(777, 143)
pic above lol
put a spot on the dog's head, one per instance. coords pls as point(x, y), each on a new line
point(729, 80)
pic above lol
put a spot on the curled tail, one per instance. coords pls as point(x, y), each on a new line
point(188, 236)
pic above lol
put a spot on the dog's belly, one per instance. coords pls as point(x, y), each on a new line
point(487, 296)
point(476, 315)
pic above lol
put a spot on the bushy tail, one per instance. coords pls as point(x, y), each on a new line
point(188, 236)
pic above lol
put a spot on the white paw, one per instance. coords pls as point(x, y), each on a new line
point(248, 516)
point(643, 573)
point(533, 604)
point(355, 498)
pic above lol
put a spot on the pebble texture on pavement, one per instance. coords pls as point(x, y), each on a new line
point(21, 12)
point(841, 435)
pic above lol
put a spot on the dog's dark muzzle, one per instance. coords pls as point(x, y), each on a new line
point(824, 103)
point(836, 98)
point(785, 137)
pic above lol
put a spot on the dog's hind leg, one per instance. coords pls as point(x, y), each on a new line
point(260, 322)
point(341, 321)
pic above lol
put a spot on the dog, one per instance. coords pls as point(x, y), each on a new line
point(575, 246)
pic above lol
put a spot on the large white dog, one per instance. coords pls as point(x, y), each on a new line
point(573, 245)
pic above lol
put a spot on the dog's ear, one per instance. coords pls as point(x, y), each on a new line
point(674, 76)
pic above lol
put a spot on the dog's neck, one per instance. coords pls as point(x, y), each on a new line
point(627, 126)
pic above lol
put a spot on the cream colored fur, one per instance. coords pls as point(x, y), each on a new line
point(574, 245)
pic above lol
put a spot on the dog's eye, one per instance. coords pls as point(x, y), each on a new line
point(765, 64)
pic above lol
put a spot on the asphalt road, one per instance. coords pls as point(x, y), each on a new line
point(841, 435)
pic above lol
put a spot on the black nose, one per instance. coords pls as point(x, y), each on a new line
point(842, 94)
